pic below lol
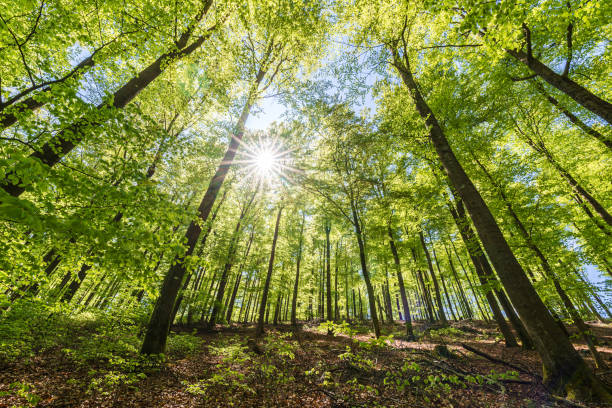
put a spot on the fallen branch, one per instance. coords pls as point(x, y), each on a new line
point(568, 402)
point(499, 361)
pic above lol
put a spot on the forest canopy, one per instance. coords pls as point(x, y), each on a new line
point(417, 165)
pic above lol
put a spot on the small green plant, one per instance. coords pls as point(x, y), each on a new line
point(229, 375)
point(183, 344)
point(445, 333)
point(337, 328)
point(23, 390)
point(111, 379)
point(278, 344)
point(357, 359)
point(376, 343)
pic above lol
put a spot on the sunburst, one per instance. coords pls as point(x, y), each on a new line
point(266, 160)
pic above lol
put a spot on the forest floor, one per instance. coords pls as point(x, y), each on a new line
point(289, 368)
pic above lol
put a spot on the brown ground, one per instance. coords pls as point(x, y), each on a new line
point(257, 376)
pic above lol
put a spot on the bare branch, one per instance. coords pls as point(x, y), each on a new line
point(525, 78)
point(568, 60)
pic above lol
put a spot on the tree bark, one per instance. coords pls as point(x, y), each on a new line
point(328, 291)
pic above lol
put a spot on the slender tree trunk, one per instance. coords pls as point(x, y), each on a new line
point(354, 304)
point(364, 271)
point(76, 283)
point(347, 312)
point(441, 312)
point(399, 310)
point(573, 118)
point(381, 310)
point(243, 298)
point(297, 273)
point(360, 305)
point(330, 316)
point(264, 297)
point(577, 92)
point(387, 297)
point(277, 307)
point(230, 306)
point(336, 314)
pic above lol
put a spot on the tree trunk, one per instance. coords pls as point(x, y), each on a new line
point(360, 305)
point(76, 283)
point(279, 300)
point(328, 292)
point(577, 92)
point(159, 324)
point(297, 273)
point(336, 315)
point(364, 271)
point(441, 312)
point(230, 307)
point(573, 118)
point(264, 296)
point(564, 370)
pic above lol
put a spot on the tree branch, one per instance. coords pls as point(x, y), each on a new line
point(568, 60)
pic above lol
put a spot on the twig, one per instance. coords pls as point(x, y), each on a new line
point(568, 402)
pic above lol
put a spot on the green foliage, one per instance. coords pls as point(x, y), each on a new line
point(329, 326)
point(30, 327)
point(277, 344)
point(183, 344)
point(239, 368)
point(445, 334)
point(23, 390)
point(353, 156)
point(379, 343)
point(109, 342)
